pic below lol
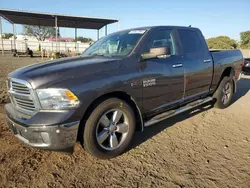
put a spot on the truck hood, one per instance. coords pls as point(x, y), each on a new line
point(42, 75)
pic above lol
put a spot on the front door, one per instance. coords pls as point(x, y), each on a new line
point(163, 78)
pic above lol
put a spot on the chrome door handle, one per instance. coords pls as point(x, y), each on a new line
point(177, 65)
point(207, 60)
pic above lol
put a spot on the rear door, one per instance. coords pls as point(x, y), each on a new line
point(198, 64)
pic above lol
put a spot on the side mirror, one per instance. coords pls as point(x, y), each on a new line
point(156, 53)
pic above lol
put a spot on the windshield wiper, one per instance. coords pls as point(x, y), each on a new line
point(101, 55)
point(97, 54)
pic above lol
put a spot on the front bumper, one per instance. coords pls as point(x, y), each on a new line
point(57, 137)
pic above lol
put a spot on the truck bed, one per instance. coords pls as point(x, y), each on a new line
point(223, 59)
point(219, 50)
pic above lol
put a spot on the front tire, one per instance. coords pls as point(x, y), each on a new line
point(109, 129)
point(224, 93)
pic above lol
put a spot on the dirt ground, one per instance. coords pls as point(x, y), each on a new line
point(205, 147)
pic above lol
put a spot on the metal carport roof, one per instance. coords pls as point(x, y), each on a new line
point(48, 19)
point(52, 20)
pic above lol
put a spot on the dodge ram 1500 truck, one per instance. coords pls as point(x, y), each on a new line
point(124, 82)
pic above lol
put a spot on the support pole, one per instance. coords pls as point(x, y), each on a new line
point(56, 31)
point(98, 34)
point(106, 30)
point(1, 34)
point(75, 38)
point(118, 25)
point(14, 35)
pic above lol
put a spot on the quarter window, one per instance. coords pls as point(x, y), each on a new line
point(190, 40)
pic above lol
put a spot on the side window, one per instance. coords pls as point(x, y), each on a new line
point(162, 38)
point(190, 40)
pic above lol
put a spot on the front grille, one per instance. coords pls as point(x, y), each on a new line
point(20, 88)
point(26, 104)
point(22, 95)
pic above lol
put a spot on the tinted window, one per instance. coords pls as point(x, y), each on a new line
point(190, 41)
point(161, 38)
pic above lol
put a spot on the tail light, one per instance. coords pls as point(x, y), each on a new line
point(247, 64)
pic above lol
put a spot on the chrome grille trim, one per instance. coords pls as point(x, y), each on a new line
point(19, 88)
point(24, 101)
point(23, 96)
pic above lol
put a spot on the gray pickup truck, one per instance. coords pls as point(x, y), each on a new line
point(124, 82)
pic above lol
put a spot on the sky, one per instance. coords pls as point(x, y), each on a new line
point(213, 17)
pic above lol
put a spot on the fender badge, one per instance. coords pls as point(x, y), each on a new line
point(135, 84)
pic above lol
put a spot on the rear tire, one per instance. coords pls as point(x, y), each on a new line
point(224, 93)
point(109, 129)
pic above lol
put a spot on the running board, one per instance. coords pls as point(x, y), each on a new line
point(171, 113)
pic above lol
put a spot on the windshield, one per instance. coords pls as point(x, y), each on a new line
point(118, 44)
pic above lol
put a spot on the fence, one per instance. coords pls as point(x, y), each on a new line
point(48, 46)
point(61, 46)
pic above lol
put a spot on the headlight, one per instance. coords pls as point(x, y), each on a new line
point(57, 99)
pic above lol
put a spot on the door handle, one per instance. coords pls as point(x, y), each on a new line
point(177, 65)
point(207, 60)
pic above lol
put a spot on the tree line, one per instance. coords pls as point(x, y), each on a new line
point(41, 33)
point(224, 42)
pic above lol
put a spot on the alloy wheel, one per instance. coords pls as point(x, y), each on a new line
point(226, 93)
point(112, 129)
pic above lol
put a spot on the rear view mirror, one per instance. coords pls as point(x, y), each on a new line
point(156, 53)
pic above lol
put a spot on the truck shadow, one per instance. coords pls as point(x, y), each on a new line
point(242, 88)
point(149, 132)
point(153, 130)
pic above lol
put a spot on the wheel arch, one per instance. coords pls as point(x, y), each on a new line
point(229, 72)
point(120, 95)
